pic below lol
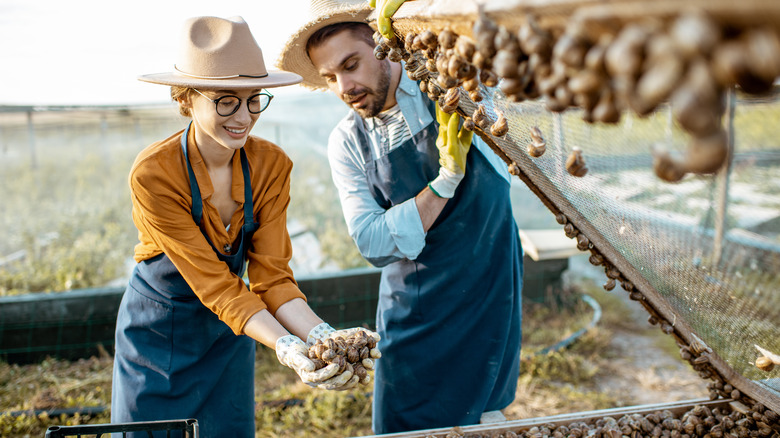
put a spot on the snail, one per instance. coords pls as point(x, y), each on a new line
point(488, 78)
point(449, 102)
point(582, 242)
point(484, 31)
point(513, 169)
point(480, 118)
point(500, 127)
point(471, 84)
point(464, 47)
point(707, 154)
point(380, 53)
point(468, 124)
point(348, 353)
point(429, 39)
point(475, 95)
point(575, 163)
point(695, 34)
point(447, 39)
point(609, 285)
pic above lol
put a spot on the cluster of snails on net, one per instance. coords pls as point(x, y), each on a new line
point(349, 353)
point(688, 61)
point(699, 421)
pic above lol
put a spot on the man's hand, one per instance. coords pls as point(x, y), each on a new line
point(386, 9)
point(453, 145)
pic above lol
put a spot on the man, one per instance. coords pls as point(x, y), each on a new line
point(438, 220)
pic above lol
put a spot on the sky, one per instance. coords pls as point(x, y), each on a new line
point(90, 52)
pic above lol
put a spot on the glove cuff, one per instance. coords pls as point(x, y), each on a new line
point(282, 345)
point(320, 331)
point(445, 184)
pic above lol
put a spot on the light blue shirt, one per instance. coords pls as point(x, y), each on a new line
point(384, 236)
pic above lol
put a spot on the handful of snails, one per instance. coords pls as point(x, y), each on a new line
point(349, 353)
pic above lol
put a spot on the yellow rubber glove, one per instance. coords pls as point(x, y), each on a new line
point(386, 9)
point(453, 144)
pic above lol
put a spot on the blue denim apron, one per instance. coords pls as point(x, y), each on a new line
point(174, 358)
point(449, 320)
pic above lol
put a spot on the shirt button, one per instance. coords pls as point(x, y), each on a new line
point(226, 249)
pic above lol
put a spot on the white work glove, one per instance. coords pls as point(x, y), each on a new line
point(324, 331)
point(293, 353)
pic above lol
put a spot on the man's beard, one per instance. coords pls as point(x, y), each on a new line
point(380, 94)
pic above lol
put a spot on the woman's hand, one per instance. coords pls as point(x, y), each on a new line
point(293, 353)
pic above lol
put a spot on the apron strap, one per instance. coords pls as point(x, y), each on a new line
point(249, 219)
point(197, 201)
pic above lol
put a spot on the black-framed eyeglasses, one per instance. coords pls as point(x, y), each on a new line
point(228, 105)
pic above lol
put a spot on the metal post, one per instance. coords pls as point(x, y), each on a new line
point(31, 140)
point(104, 136)
point(722, 179)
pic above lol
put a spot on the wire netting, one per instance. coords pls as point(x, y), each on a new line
point(709, 246)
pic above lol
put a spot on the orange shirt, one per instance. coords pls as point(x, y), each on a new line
point(162, 212)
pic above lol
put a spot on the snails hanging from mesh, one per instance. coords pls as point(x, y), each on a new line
point(537, 146)
point(575, 163)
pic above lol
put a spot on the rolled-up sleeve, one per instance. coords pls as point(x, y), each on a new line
point(382, 235)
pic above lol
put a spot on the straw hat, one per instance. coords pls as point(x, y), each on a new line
point(322, 13)
point(220, 53)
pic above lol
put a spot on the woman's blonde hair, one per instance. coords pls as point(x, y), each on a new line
point(179, 93)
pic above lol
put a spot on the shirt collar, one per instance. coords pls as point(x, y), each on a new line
point(406, 89)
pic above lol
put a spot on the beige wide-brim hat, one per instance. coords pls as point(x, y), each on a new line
point(219, 53)
point(321, 13)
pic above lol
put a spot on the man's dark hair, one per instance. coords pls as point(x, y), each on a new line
point(360, 31)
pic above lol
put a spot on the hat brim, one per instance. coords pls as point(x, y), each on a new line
point(294, 56)
point(274, 79)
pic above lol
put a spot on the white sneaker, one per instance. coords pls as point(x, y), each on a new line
point(492, 417)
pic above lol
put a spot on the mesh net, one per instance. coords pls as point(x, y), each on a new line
point(702, 255)
point(704, 252)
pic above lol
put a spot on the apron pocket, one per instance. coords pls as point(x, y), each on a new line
point(147, 326)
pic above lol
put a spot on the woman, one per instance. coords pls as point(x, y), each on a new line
point(209, 203)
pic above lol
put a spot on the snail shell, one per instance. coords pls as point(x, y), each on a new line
point(536, 135)
point(409, 42)
point(329, 355)
point(505, 64)
point(764, 363)
point(500, 127)
point(570, 230)
point(360, 372)
point(510, 86)
point(513, 169)
point(582, 242)
point(707, 154)
point(610, 284)
point(575, 163)
point(447, 39)
point(481, 118)
point(449, 102)
point(596, 259)
point(488, 78)
point(395, 54)
point(471, 84)
point(468, 124)
point(484, 31)
point(380, 53)
point(658, 82)
point(624, 56)
point(695, 34)
point(353, 355)
point(606, 110)
point(319, 363)
point(430, 39)
point(465, 47)
point(533, 40)
point(570, 49)
point(536, 150)
point(446, 82)
point(764, 47)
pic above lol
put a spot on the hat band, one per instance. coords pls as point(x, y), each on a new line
point(218, 77)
